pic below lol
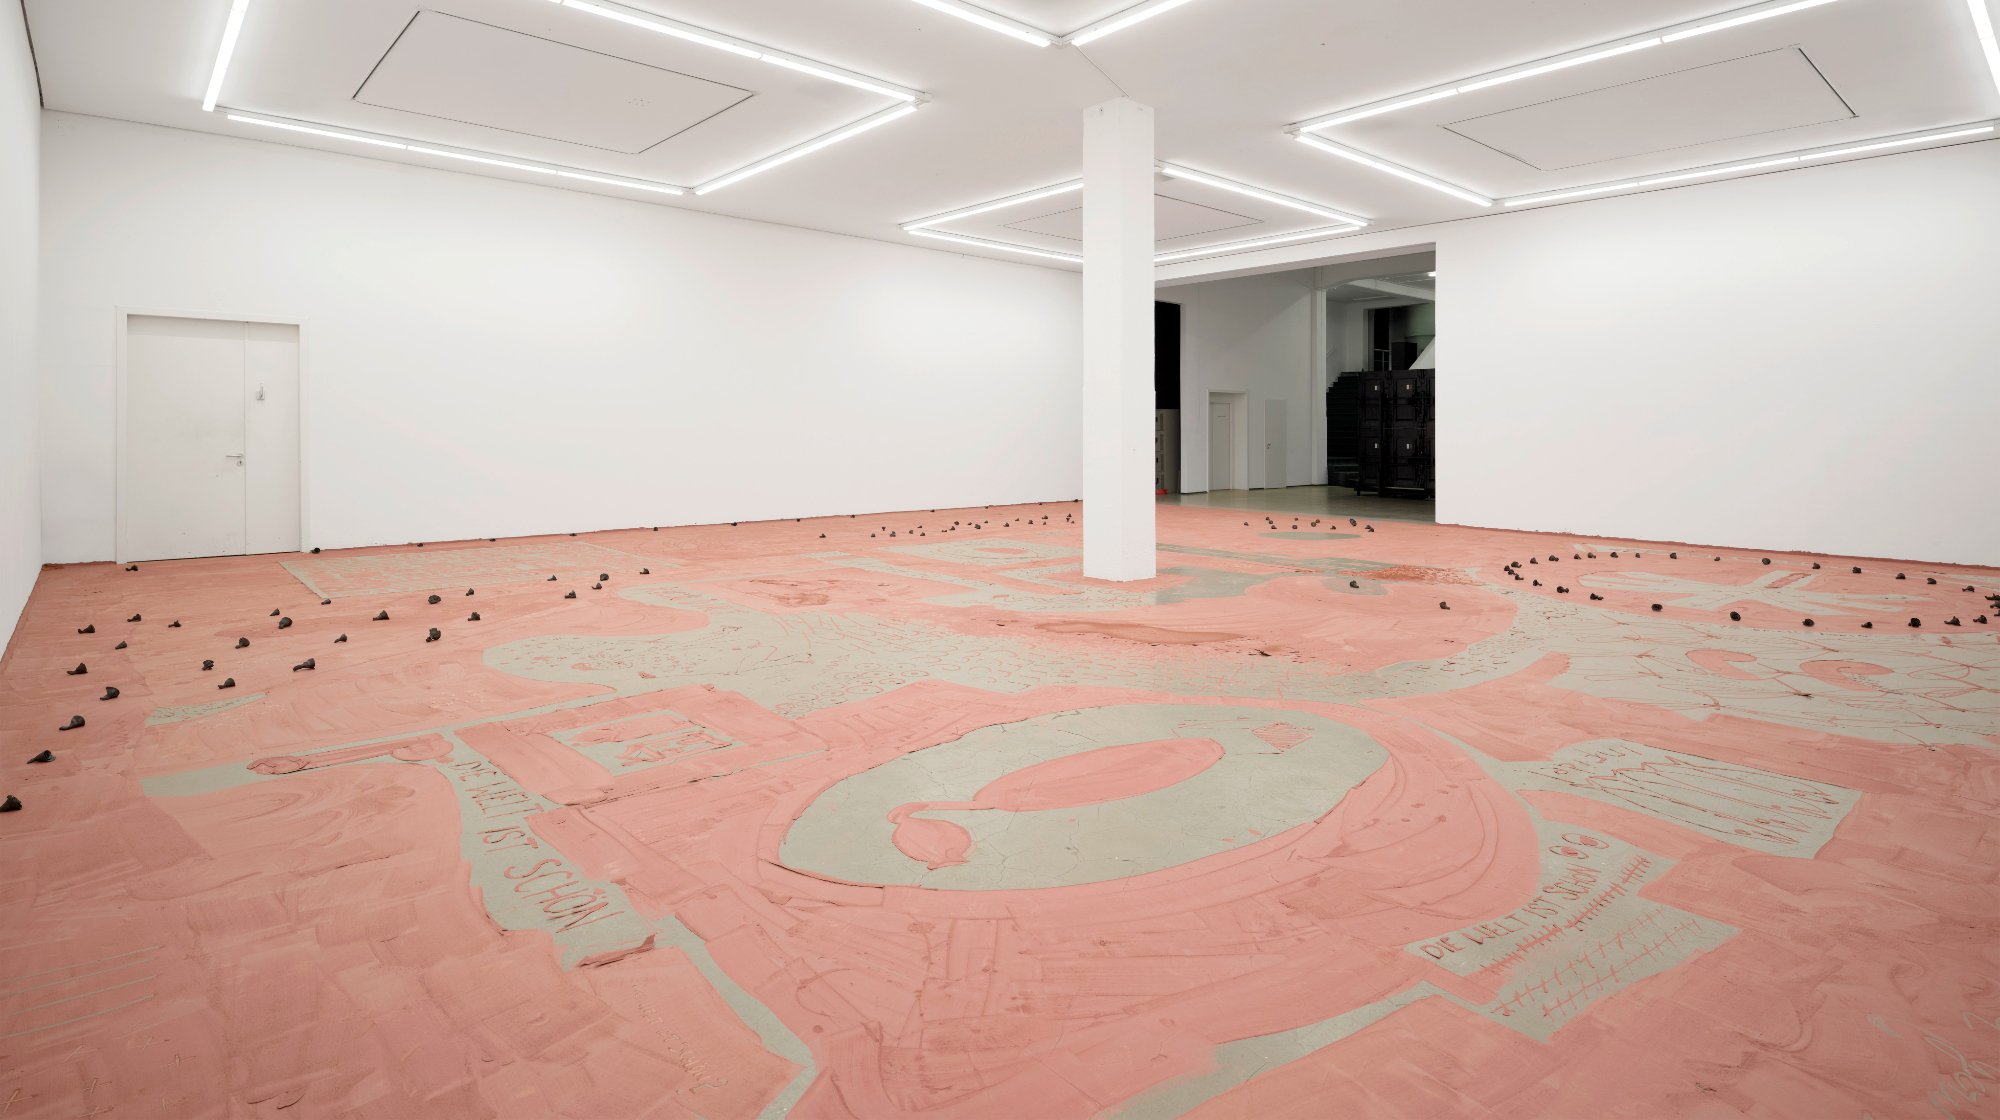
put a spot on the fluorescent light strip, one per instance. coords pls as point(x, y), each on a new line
point(1236, 246)
point(742, 47)
point(844, 78)
point(1706, 173)
point(488, 160)
point(334, 133)
point(1193, 176)
point(1569, 194)
point(230, 31)
point(1982, 29)
point(1380, 108)
point(1122, 20)
point(996, 204)
point(1564, 62)
point(1755, 165)
point(664, 26)
point(1904, 142)
point(448, 153)
point(984, 244)
point(1559, 64)
point(810, 146)
point(1382, 165)
point(1739, 20)
point(990, 21)
point(636, 185)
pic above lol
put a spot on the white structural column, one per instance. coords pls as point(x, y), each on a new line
point(1118, 529)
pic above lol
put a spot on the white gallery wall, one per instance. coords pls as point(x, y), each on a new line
point(1254, 336)
point(1804, 360)
point(1807, 360)
point(489, 358)
point(20, 502)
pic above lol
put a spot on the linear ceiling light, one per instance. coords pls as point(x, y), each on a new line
point(1755, 165)
point(1178, 172)
point(1982, 29)
point(1748, 16)
point(996, 204)
point(743, 47)
point(1236, 246)
point(810, 146)
point(421, 148)
point(990, 21)
point(334, 133)
point(985, 244)
point(230, 31)
point(1612, 49)
point(1366, 160)
point(1122, 20)
point(1559, 64)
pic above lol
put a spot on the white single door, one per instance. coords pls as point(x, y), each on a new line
point(1274, 444)
point(1221, 449)
point(210, 462)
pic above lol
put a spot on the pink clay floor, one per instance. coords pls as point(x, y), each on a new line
point(810, 819)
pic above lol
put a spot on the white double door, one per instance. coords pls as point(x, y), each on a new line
point(210, 463)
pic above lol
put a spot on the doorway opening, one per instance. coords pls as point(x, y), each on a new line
point(1381, 426)
point(208, 437)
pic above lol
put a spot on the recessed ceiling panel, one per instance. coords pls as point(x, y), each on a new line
point(1747, 96)
point(1172, 217)
point(462, 70)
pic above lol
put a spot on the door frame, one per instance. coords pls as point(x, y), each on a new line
point(1239, 437)
point(121, 377)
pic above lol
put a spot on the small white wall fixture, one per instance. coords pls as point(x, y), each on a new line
point(264, 476)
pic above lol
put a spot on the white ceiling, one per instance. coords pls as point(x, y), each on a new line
point(534, 80)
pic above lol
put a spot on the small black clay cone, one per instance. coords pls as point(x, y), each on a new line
point(571, 595)
point(603, 575)
point(174, 625)
point(110, 693)
point(340, 639)
point(552, 579)
point(433, 600)
point(45, 756)
point(315, 552)
point(242, 643)
point(1868, 626)
point(120, 645)
point(80, 670)
point(1596, 598)
point(1735, 617)
point(473, 617)
point(275, 612)
point(649, 571)
point(1915, 623)
point(207, 665)
point(74, 723)
point(1354, 583)
point(308, 663)
point(227, 682)
point(326, 602)
point(11, 805)
point(434, 635)
point(380, 616)
point(90, 628)
point(468, 592)
point(1658, 607)
point(1443, 606)
point(136, 618)
point(285, 623)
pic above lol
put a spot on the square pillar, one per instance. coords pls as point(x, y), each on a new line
point(1118, 529)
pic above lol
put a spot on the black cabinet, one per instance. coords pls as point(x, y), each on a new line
point(1398, 430)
